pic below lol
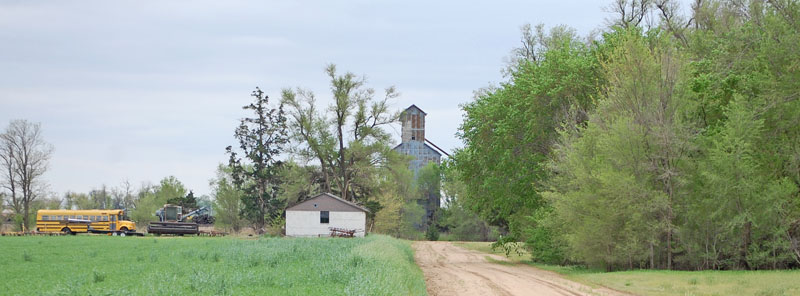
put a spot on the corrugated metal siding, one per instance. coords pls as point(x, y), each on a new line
point(413, 143)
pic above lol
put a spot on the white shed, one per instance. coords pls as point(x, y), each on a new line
point(315, 217)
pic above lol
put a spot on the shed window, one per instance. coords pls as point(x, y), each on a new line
point(324, 217)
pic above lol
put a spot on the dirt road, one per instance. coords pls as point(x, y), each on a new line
point(452, 270)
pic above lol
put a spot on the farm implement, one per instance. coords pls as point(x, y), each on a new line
point(173, 221)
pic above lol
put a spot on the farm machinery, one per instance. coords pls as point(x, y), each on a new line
point(171, 220)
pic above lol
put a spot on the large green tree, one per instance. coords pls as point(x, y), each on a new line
point(347, 142)
point(508, 131)
point(257, 173)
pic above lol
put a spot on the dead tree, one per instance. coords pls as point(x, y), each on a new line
point(24, 157)
point(629, 13)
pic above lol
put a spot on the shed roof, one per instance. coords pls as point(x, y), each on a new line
point(415, 106)
point(311, 204)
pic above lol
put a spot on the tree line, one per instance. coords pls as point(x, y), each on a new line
point(292, 149)
point(286, 151)
point(664, 141)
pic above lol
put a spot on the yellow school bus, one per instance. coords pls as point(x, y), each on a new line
point(75, 221)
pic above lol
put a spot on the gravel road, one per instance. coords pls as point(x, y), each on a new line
point(452, 270)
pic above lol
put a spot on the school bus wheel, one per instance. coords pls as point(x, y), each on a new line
point(66, 230)
point(123, 228)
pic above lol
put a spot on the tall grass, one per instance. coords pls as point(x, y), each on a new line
point(98, 265)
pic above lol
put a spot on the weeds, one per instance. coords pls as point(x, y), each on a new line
point(26, 257)
point(253, 262)
point(98, 277)
point(356, 261)
point(377, 265)
point(771, 292)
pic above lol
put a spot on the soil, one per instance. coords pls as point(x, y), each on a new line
point(452, 270)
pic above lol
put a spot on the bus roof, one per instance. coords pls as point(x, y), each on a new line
point(81, 212)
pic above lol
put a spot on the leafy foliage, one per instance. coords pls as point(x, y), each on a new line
point(674, 146)
point(508, 131)
point(345, 150)
point(261, 140)
point(152, 200)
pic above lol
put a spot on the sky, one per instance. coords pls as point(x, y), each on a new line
point(141, 90)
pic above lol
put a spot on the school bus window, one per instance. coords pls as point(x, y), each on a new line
point(44, 218)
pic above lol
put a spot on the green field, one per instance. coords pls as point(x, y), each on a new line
point(102, 265)
point(662, 282)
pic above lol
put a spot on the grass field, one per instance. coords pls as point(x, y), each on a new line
point(102, 265)
point(661, 282)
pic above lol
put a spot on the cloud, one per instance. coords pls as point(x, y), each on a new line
point(142, 90)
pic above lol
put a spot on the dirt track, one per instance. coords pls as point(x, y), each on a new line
point(451, 270)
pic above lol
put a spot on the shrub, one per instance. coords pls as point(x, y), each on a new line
point(432, 234)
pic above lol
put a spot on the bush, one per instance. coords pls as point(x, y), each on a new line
point(432, 234)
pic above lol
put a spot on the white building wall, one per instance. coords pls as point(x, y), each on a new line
point(306, 223)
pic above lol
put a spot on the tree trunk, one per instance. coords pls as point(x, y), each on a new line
point(326, 186)
point(652, 256)
point(342, 164)
point(25, 218)
point(745, 245)
point(669, 247)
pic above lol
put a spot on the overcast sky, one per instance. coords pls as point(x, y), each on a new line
point(141, 90)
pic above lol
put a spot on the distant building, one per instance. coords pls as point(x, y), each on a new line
point(315, 217)
point(414, 143)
